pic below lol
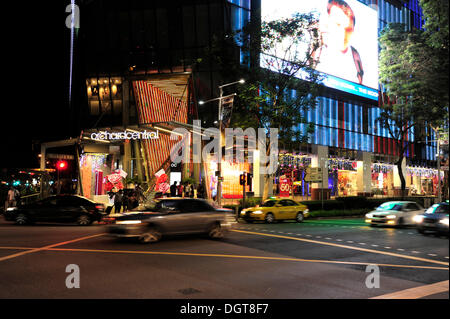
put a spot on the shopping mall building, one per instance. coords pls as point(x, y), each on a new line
point(135, 70)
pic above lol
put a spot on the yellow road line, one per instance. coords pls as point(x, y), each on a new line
point(417, 292)
point(346, 246)
point(47, 247)
point(240, 256)
point(17, 248)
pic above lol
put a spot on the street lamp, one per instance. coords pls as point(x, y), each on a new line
point(219, 164)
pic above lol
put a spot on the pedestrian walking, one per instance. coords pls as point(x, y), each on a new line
point(180, 190)
point(125, 201)
point(110, 202)
point(139, 193)
point(187, 190)
point(173, 189)
point(10, 198)
point(201, 190)
point(118, 201)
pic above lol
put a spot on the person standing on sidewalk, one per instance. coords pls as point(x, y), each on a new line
point(10, 198)
point(118, 201)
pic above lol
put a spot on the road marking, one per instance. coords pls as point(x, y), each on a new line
point(338, 239)
point(328, 238)
point(415, 252)
point(349, 241)
point(348, 247)
point(400, 249)
point(362, 243)
point(34, 250)
point(418, 292)
point(374, 245)
point(387, 247)
point(243, 257)
point(433, 255)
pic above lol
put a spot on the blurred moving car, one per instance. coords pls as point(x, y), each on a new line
point(396, 213)
point(59, 209)
point(434, 219)
point(172, 216)
point(275, 209)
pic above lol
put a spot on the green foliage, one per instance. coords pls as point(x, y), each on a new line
point(338, 213)
point(188, 180)
point(251, 201)
point(265, 100)
point(413, 69)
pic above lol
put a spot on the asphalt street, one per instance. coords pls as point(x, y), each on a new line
point(319, 259)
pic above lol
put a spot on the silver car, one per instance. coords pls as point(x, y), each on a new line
point(398, 213)
point(173, 216)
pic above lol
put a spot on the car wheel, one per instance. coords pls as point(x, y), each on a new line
point(269, 218)
point(215, 232)
point(299, 217)
point(21, 219)
point(84, 220)
point(420, 230)
point(152, 235)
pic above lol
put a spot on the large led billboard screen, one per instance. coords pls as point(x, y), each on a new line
point(348, 57)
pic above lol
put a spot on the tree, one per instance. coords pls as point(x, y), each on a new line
point(277, 94)
point(410, 70)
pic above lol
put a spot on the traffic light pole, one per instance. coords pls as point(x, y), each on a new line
point(219, 162)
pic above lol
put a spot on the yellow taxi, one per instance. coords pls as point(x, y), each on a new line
point(275, 209)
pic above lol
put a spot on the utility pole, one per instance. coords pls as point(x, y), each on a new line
point(219, 157)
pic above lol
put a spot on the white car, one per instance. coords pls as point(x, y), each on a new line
point(398, 213)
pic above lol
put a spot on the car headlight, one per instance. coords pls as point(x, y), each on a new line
point(391, 216)
point(257, 212)
point(418, 219)
point(368, 215)
point(128, 222)
point(9, 209)
point(306, 211)
point(444, 221)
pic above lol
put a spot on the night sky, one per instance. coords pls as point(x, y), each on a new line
point(35, 102)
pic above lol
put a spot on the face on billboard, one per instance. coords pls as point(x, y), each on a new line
point(349, 33)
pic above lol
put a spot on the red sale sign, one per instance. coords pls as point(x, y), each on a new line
point(285, 187)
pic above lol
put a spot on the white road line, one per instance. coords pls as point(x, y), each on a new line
point(328, 238)
point(350, 242)
point(434, 255)
point(400, 249)
point(374, 245)
point(415, 252)
point(362, 243)
point(338, 239)
point(387, 247)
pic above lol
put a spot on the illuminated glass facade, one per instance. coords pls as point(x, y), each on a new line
point(351, 124)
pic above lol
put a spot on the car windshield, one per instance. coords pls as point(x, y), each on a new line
point(269, 203)
point(390, 206)
point(437, 208)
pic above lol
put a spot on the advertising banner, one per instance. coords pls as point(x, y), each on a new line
point(348, 57)
point(285, 187)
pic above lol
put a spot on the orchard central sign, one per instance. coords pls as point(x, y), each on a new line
point(126, 135)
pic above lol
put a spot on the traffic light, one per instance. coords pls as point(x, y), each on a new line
point(249, 179)
point(242, 179)
point(61, 165)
